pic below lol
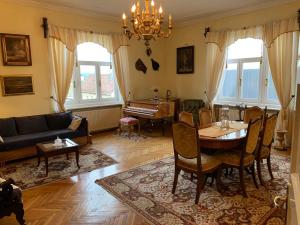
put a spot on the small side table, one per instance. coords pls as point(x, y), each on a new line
point(129, 122)
point(280, 139)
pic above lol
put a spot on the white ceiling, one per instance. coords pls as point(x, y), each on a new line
point(181, 10)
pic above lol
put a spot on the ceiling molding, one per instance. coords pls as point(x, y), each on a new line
point(234, 12)
point(69, 10)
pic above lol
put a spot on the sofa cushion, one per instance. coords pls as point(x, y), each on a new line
point(31, 124)
point(58, 121)
point(8, 127)
point(25, 140)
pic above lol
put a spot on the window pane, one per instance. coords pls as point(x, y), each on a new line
point(271, 91)
point(250, 80)
point(229, 89)
point(70, 96)
point(88, 80)
point(92, 52)
point(246, 48)
point(107, 82)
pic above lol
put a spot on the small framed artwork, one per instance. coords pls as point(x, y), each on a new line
point(16, 50)
point(17, 85)
point(185, 60)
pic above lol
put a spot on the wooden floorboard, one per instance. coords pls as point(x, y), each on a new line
point(79, 201)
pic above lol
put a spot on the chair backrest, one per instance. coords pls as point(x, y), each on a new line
point(205, 117)
point(269, 129)
point(253, 113)
point(192, 106)
point(187, 118)
point(253, 135)
point(185, 140)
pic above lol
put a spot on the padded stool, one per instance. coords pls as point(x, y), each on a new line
point(129, 122)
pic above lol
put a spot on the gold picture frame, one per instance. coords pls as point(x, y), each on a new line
point(16, 50)
point(17, 85)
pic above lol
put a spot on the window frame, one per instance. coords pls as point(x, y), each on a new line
point(264, 72)
point(78, 102)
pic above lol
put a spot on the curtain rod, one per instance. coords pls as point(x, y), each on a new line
point(207, 29)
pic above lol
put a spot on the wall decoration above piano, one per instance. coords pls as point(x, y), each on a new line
point(140, 66)
point(17, 85)
point(155, 65)
point(16, 50)
point(185, 60)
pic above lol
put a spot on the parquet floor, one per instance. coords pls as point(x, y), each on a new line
point(79, 201)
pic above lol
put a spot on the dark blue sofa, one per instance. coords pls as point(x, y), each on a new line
point(20, 134)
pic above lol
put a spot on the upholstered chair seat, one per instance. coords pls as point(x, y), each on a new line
point(208, 163)
point(234, 158)
point(188, 156)
point(264, 149)
point(243, 158)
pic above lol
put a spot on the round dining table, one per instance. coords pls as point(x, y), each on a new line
point(225, 142)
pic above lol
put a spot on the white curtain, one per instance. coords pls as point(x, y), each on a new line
point(62, 43)
point(62, 47)
point(282, 39)
point(216, 47)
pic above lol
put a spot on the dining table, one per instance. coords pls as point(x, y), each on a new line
point(215, 137)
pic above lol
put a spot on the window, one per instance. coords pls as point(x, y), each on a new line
point(247, 78)
point(93, 82)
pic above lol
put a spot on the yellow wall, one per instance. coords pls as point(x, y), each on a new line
point(19, 19)
point(193, 85)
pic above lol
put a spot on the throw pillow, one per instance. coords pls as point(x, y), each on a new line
point(1, 140)
point(76, 121)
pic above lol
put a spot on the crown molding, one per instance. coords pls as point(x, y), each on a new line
point(219, 15)
point(65, 9)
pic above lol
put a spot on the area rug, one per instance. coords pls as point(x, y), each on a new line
point(27, 174)
point(147, 189)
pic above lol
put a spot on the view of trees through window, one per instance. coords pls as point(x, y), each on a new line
point(93, 80)
point(247, 77)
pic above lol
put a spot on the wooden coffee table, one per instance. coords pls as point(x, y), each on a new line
point(47, 150)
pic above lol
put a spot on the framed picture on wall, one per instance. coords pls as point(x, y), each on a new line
point(15, 50)
point(17, 85)
point(185, 60)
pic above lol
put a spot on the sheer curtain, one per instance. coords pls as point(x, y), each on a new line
point(282, 39)
point(62, 44)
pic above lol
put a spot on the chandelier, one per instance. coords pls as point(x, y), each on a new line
point(146, 24)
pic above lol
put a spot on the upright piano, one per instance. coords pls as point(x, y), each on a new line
point(150, 109)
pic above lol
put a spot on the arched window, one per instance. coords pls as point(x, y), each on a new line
point(247, 78)
point(94, 79)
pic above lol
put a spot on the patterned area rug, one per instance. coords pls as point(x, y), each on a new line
point(147, 189)
point(26, 174)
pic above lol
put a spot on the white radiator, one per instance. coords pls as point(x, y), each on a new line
point(101, 119)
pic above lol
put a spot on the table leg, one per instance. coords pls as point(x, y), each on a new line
point(77, 158)
point(46, 164)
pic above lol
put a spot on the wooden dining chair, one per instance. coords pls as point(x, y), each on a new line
point(243, 158)
point(253, 113)
point(187, 118)
point(205, 117)
point(188, 156)
point(264, 148)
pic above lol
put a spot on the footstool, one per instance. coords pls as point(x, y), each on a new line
point(129, 123)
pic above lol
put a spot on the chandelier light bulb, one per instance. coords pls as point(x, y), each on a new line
point(124, 16)
point(152, 3)
point(160, 10)
point(133, 8)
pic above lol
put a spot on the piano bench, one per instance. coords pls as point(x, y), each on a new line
point(129, 123)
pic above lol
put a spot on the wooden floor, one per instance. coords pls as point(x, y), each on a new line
point(78, 200)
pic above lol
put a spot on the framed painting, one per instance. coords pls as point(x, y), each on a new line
point(16, 50)
point(17, 85)
point(185, 60)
